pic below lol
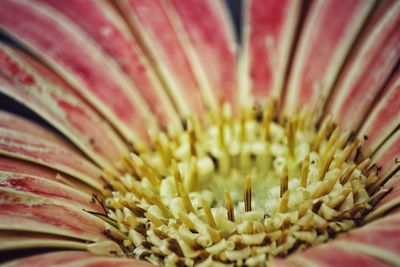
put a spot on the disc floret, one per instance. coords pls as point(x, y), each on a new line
point(240, 190)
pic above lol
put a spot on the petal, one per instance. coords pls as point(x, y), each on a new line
point(390, 200)
point(71, 258)
point(109, 30)
point(369, 67)
point(387, 159)
point(49, 189)
point(212, 56)
point(332, 255)
point(18, 240)
point(76, 58)
point(32, 148)
point(150, 22)
point(315, 67)
point(20, 124)
point(380, 239)
point(53, 100)
point(27, 212)
point(387, 156)
point(269, 32)
point(384, 118)
point(25, 167)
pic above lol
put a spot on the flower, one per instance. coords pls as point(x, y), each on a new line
point(168, 148)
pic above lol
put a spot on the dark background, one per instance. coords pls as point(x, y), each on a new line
point(235, 8)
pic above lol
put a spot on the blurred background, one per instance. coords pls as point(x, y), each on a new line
point(235, 8)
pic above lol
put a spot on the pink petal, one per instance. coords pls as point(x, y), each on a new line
point(326, 38)
point(59, 105)
point(151, 22)
point(20, 124)
point(269, 33)
point(26, 212)
point(72, 258)
point(331, 255)
point(388, 155)
point(108, 29)
point(79, 61)
point(16, 240)
point(32, 148)
point(25, 167)
point(49, 189)
point(380, 239)
point(209, 42)
point(368, 68)
point(384, 118)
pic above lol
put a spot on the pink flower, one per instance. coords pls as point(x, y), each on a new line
point(162, 141)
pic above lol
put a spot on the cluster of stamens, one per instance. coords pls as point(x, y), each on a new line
point(239, 191)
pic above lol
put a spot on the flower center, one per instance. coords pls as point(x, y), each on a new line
point(240, 191)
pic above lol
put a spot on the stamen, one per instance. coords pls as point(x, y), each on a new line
point(186, 220)
point(284, 179)
point(247, 193)
point(155, 199)
point(347, 174)
point(156, 221)
point(291, 138)
point(325, 164)
point(193, 176)
point(283, 206)
point(168, 203)
point(177, 174)
point(208, 213)
point(267, 117)
point(229, 205)
point(321, 133)
point(304, 171)
point(347, 153)
point(185, 198)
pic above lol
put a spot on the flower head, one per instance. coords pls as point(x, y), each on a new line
point(173, 145)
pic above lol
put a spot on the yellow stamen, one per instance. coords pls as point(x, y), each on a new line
point(229, 206)
point(247, 193)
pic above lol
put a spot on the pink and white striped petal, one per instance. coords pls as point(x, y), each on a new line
point(20, 211)
point(107, 28)
point(388, 156)
point(150, 21)
point(49, 189)
point(40, 90)
point(384, 118)
point(387, 159)
point(61, 258)
point(20, 124)
point(328, 34)
point(276, 262)
point(18, 240)
point(380, 239)
point(334, 255)
point(77, 58)
point(390, 201)
point(369, 67)
point(208, 38)
point(269, 32)
point(25, 167)
point(41, 151)
point(74, 258)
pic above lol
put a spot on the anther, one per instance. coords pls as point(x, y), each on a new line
point(304, 171)
point(229, 206)
point(247, 193)
point(284, 181)
point(208, 213)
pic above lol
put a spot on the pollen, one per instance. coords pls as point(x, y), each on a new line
point(240, 190)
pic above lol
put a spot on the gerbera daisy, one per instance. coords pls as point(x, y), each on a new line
point(152, 138)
